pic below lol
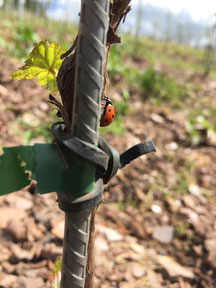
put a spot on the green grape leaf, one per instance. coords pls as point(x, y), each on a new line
point(43, 63)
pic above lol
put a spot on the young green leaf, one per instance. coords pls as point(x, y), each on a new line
point(43, 63)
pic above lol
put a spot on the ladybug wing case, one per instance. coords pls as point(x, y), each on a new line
point(108, 115)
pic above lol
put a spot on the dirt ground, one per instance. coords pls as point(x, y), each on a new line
point(147, 233)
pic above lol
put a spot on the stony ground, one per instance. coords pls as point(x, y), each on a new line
point(157, 225)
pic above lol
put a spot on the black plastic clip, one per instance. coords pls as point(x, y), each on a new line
point(106, 159)
point(82, 148)
point(117, 161)
point(66, 201)
point(136, 151)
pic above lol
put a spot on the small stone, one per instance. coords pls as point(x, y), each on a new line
point(153, 280)
point(165, 219)
point(25, 282)
point(58, 230)
point(198, 249)
point(140, 194)
point(43, 106)
point(163, 234)
point(4, 91)
point(191, 215)
point(210, 245)
point(24, 203)
point(8, 280)
point(39, 272)
point(43, 215)
point(7, 214)
point(201, 210)
point(101, 244)
point(189, 202)
point(156, 209)
point(212, 85)
point(7, 267)
point(19, 254)
point(34, 232)
point(173, 269)
point(173, 204)
point(5, 254)
point(111, 234)
point(212, 258)
point(211, 137)
point(211, 235)
point(51, 251)
point(17, 230)
point(128, 277)
point(157, 118)
point(194, 190)
point(137, 248)
point(138, 271)
point(22, 268)
point(10, 199)
point(53, 220)
point(173, 146)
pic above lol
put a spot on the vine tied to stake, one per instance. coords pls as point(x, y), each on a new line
point(66, 75)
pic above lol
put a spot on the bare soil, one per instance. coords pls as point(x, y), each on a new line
point(157, 225)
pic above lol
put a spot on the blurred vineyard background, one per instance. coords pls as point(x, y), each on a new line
point(158, 227)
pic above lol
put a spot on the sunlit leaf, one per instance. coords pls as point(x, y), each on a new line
point(43, 63)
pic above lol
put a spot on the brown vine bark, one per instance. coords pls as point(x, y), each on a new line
point(89, 281)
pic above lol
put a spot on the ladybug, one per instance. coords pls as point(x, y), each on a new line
point(108, 114)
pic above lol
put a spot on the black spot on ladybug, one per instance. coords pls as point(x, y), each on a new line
point(113, 116)
point(109, 110)
point(106, 121)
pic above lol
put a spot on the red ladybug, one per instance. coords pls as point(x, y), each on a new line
point(108, 114)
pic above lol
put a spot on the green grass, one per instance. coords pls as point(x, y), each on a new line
point(158, 86)
point(117, 127)
point(168, 54)
point(19, 37)
point(161, 88)
point(171, 54)
point(185, 178)
point(181, 228)
point(34, 128)
point(200, 122)
point(154, 51)
point(54, 276)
